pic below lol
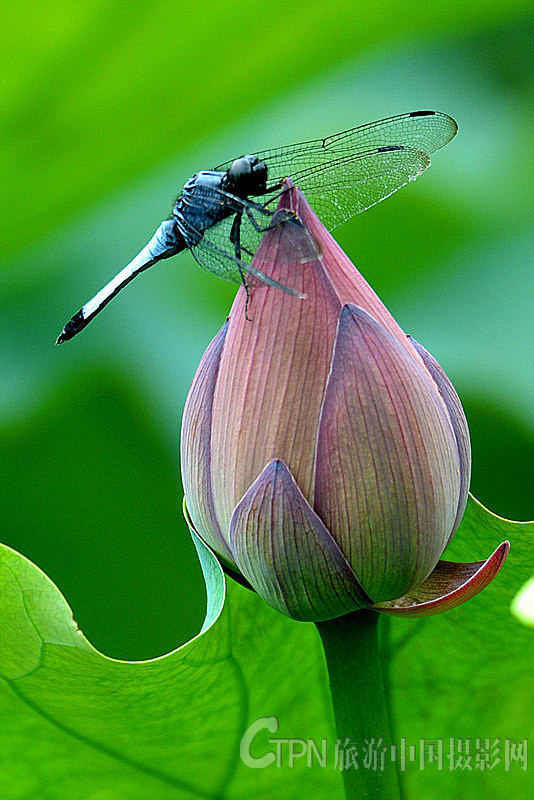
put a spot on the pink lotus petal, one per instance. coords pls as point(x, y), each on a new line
point(348, 283)
point(275, 366)
point(459, 424)
point(273, 374)
point(448, 586)
point(286, 553)
point(387, 470)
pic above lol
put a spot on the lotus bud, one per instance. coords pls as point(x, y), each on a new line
point(325, 454)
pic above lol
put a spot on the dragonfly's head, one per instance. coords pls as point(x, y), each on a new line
point(247, 175)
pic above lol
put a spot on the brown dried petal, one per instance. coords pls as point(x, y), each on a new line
point(448, 586)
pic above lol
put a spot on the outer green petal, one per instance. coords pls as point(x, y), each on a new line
point(387, 471)
point(287, 554)
point(448, 586)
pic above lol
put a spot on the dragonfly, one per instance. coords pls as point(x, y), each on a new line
point(221, 214)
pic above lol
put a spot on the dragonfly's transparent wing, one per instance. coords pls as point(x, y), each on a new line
point(421, 130)
point(300, 248)
point(337, 190)
point(426, 131)
point(214, 252)
point(347, 186)
point(210, 256)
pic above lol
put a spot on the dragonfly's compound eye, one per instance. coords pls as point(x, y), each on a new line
point(260, 173)
point(248, 175)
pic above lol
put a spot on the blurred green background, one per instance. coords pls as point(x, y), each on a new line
point(106, 109)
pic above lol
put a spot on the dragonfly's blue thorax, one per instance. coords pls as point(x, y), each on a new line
point(202, 203)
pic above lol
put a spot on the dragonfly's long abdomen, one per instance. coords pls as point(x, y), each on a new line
point(166, 242)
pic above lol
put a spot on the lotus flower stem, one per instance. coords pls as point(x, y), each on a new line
point(354, 668)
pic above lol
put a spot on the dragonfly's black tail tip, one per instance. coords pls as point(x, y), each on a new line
point(67, 333)
point(73, 326)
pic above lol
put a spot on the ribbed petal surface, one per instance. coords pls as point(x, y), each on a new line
point(286, 553)
point(387, 471)
point(196, 448)
point(347, 282)
point(459, 424)
point(448, 586)
point(274, 368)
point(273, 374)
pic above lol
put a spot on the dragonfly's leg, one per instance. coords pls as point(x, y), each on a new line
point(275, 186)
point(247, 290)
point(277, 218)
point(235, 235)
point(259, 207)
point(235, 238)
point(282, 185)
